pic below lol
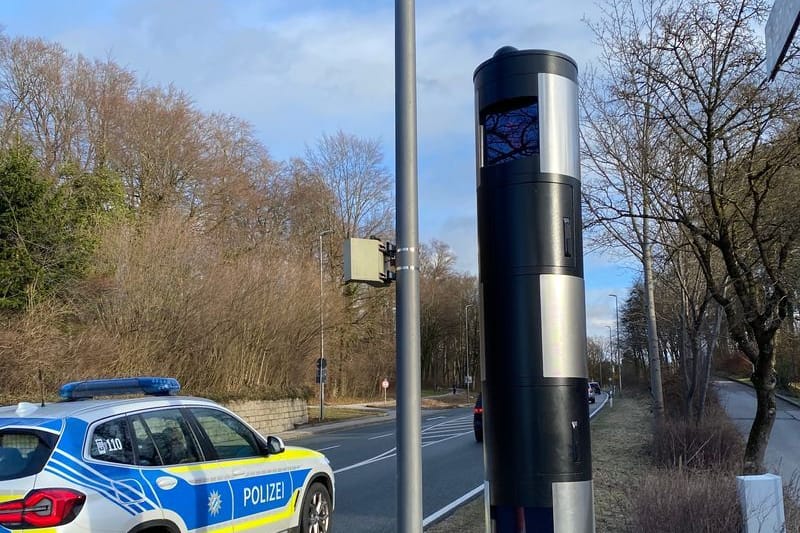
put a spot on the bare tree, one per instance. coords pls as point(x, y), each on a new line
point(739, 137)
point(38, 86)
point(352, 169)
point(623, 145)
point(160, 149)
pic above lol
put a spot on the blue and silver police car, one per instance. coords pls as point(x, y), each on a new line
point(155, 463)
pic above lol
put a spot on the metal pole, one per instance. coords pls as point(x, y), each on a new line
point(611, 349)
point(601, 369)
point(466, 355)
point(409, 440)
point(321, 332)
point(619, 353)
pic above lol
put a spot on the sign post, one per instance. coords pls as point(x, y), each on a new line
point(385, 385)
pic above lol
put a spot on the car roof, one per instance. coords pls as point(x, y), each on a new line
point(90, 410)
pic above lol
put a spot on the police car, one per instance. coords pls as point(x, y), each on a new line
point(156, 463)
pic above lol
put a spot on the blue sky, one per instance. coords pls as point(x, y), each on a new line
point(298, 68)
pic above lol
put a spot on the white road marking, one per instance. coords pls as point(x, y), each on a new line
point(455, 431)
point(385, 455)
point(329, 448)
point(381, 436)
point(452, 505)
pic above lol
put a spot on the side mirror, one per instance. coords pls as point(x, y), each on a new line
point(275, 445)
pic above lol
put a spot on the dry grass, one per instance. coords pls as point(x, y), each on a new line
point(686, 501)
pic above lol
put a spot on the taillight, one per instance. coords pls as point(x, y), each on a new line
point(478, 410)
point(42, 508)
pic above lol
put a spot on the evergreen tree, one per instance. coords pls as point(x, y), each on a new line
point(48, 228)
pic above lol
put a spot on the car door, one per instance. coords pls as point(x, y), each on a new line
point(261, 485)
point(187, 486)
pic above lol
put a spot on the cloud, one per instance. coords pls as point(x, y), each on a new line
point(298, 69)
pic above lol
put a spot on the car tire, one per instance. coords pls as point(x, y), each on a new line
point(479, 435)
point(315, 515)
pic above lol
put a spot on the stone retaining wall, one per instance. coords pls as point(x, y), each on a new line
point(273, 416)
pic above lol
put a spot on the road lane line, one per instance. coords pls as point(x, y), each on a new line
point(329, 448)
point(452, 505)
point(381, 456)
point(381, 436)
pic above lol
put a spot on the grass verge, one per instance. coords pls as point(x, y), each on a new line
point(337, 414)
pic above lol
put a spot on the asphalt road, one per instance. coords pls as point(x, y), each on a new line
point(364, 463)
point(783, 452)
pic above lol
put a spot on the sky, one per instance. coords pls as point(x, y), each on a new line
point(296, 69)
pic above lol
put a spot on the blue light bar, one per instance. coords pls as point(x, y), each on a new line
point(153, 386)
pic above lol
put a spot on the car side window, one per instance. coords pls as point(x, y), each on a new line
point(169, 435)
point(146, 449)
point(228, 436)
point(111, 442)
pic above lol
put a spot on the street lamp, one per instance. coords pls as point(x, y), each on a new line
point(601, 368)
point(321, 332)
point(466, 354)
point(613, 360)
point(619, 354)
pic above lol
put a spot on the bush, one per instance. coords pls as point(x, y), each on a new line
point(791, 498)
point(713, 444)
point(671, 501)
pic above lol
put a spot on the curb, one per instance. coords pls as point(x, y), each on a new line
point(787, 399)
point(325, 427)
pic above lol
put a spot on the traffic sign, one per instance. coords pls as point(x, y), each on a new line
point(779, 31)
point(322, 371)
point(385, 383)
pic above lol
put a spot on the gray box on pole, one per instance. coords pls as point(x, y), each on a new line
point(533, 319)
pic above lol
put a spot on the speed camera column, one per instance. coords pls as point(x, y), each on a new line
point(533, 319)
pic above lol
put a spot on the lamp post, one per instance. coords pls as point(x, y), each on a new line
point(321, 332)
point(466, 354)
point(611, 349)
point(601, 368)
point(619, 354)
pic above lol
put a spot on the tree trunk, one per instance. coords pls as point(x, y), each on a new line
point(652, 333)
point(711, 347)
point(764, 381)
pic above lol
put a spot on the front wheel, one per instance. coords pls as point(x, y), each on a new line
point(316, 512)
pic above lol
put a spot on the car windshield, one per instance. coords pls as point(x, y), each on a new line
point(23, 453)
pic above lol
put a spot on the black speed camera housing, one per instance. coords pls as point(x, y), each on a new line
point(533, 318)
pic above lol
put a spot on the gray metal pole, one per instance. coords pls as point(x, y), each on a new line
point(466, 339)
point(409, 439)
point(321, 332)
point(619, 352)
point(613, 359)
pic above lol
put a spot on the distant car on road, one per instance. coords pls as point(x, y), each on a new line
point(590, 393)
point(477, 419)
point(155, 463)
point(595, 387)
